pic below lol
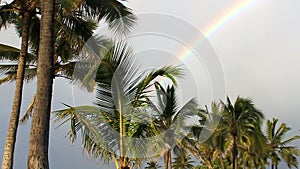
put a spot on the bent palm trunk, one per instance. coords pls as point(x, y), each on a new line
point(39, 133)
point(8, 155)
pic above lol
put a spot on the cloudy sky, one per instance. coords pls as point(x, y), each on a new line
point(257, 47)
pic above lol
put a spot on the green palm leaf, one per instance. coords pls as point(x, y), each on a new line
point(119, 17)
point(11, 53)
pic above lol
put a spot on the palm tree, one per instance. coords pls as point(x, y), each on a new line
point(280, 148)
point(39, 134)
point(169, 115)
point(239, 125)
point(6, 15)
point(182, 159)
point(202, 142)
point(63, 66)
point(115, 13)
point(121, 101)
point(251, 158)
point(152, 165)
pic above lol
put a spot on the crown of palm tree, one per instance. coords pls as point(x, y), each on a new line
point(122, 95)
point(278, 148)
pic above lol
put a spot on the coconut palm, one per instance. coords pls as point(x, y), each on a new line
point(182, 159)
point(278, 146)
point(63, 63)
point(39, 134)
point(121, 99)
point(170, 117)
point(251, 158)
point(202, 142)
point(115, 13)
point(240, 124)
point(6, 16)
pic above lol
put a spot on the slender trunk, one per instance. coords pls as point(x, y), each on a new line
point(166, 160)
point(170, 159)
point(272, 166)
point(234, 153)
point(39, 133)
point(8, 156)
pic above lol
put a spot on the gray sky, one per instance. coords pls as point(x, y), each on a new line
point(258, 49)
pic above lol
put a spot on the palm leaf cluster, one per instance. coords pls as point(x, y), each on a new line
point(238, 140)
point(122, 109)
point(230, 136)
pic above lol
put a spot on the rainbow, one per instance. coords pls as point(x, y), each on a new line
point(217, 24)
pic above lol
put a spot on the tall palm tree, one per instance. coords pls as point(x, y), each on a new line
point(202, 142)
point(279, 149)
point(118, 16)
point(26, 10)
point(121, 99)
point(39, 133)
point(240, 124)
point(63, 67)
point(182, 159)
point(169, 115)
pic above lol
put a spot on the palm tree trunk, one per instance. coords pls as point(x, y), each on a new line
point(39, 133)
point(234, 153)
point(170, 159)
point(8, 156)
point(166, 160)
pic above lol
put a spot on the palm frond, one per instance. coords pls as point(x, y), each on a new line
point(5, 68)
point(144, 85)
point(73, 32)
point(288, 141)
point(29, 110)
point(11, 72)
point(281, 131)
point(7, 14)
point(83, 118)
point(9, 78)
point(11, 53)
point(119, 17)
